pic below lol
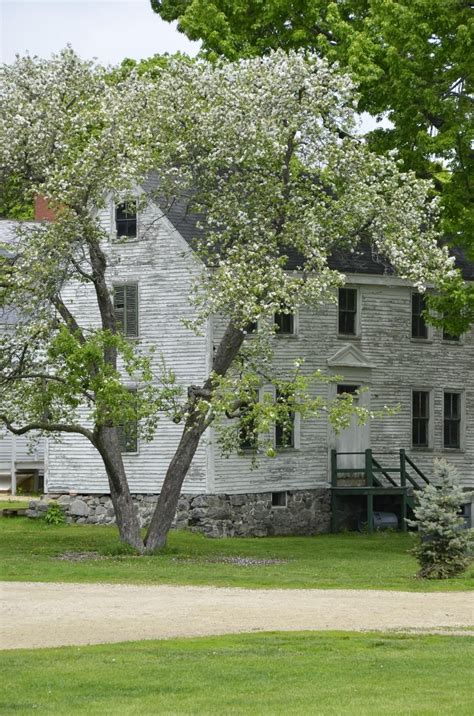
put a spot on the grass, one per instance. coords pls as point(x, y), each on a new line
point(13, 505)
point(29, 551)
point(271, 673)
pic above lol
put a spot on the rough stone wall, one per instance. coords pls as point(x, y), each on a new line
point(307, 512)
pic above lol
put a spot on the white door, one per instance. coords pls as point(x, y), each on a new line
point(355, 438)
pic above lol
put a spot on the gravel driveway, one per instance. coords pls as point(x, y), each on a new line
point(51, 614)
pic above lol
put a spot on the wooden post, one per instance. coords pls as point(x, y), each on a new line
point(369, 479)
point(334, 500)
point(13, 465)
point(403, 483)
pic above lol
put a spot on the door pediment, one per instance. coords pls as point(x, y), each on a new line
point(349, 356)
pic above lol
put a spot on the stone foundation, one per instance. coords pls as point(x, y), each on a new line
point(306, 512)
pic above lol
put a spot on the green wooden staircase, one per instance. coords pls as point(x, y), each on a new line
point(403, 479)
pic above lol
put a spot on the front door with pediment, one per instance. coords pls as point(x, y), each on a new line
point(356, 437)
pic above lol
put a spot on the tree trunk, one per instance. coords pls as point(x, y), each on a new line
point(108, 445)
point(168, 501)
point(194, 427)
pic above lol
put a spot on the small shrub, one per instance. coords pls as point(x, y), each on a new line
point(54, 514)
point(443, 542)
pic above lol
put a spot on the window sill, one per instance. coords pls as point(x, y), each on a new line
point(451, 343)
point(418, 448)
point(451, 451)
point(279, 336)
point(421, 341)
point(348, 337)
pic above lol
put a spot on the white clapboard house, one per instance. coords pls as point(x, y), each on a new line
point(374, 338)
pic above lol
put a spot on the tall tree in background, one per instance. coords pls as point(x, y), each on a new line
point(412, 61)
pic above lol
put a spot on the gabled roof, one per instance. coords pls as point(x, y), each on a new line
point(361, 260)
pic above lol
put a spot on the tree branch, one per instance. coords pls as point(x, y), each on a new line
point(47, 427)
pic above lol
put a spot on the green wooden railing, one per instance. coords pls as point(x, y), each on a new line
point(376, 477)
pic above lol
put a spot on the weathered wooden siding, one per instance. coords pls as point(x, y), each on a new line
point(161, 264)
point(400, 365)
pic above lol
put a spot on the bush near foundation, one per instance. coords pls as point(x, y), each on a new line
point(443, 546)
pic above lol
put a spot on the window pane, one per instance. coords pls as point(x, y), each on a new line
point(284, 323)
point(452, 420)
point(419, 329)
point(347, 311)
point(285, 428)
point(126, 219)
point(420, 418)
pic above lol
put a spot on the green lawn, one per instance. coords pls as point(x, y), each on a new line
point(29, 550)
point(272, 673)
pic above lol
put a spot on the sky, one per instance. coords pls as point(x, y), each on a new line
point(109, 30)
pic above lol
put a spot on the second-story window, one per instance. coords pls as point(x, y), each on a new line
point(285, 324)
point(126, 220)
point(126, 309)
point(447, 336)
point(347, 311)
point(419, 329)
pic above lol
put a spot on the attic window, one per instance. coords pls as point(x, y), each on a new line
point(126, 220)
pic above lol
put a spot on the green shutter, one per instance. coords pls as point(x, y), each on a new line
point(119, 306)
point(126, 309)
point(131, 310)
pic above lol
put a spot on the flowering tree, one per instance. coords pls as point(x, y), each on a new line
point(443, 546)
point(265, 152)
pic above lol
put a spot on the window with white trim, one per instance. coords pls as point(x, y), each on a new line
point(126, 220)
point(421, 407)
point(128, 434)
point(284, 428)
point(347, 312)
point(452, 420)
point(419, 328)
point(126, 308)
point(285, 323)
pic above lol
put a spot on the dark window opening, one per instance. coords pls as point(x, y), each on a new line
point(450, 336)
point(126, 219)
point(279, 499)
point(128, 434)
point(284, 428)
point(285, 323)
point(251, 327)
point(452, 420)
point(347, 311)
point(421, 418)
point(419, 329)
point(342, 388)
point(126, 309)
point(248, 436)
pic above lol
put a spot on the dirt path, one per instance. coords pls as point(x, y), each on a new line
point(43, 614)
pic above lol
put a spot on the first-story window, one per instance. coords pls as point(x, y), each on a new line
point(126, 220)
point(452, 420)
point(285, 324)
point(447, 336)
point(284, 427)
point(347, 311)
point(128, 433)
point(126, 309)
point(420, 418)
point(419, 329)
point(248, 436)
